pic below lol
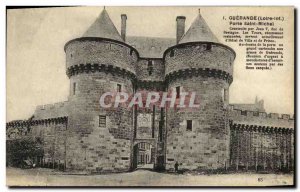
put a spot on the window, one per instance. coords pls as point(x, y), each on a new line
point(119, 87)
point(71, 55)
point(150, 67)
point(226, 95)
point(177, 92)
point(189, 125)
point(102, 121)
point(223, 95)
point(131, 51)
point(172, 53)
point(74, 88)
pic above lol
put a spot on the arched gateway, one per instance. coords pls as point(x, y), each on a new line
point(144, 154)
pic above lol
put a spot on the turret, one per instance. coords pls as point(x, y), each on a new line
point(99, 62)
point(199, 139)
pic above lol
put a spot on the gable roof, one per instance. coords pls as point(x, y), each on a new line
point(103, 27)
point(199, 31)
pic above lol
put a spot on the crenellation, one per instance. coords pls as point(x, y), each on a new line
point(271, 119)
point(263, 114)
point(51, 106)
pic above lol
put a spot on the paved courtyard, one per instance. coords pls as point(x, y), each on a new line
point(48, 177)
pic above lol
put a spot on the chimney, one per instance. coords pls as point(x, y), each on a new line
point(180, 27)
point(123, 26)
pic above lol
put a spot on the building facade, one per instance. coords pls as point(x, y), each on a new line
point(79, 135)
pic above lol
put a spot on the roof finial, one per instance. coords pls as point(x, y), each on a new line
point(199, 11)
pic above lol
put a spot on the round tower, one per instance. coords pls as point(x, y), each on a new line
point(199, 138)
point(99, 139)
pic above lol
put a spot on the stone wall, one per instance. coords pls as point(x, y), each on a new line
point(51, 110)
point(197, 56)
point(97, 150)
point(260, 148)
point(261, 118)
point(145, 73)
point(94, 146)
point(145, 124)
point(206, 146)
point(54, 137)
point(88, 50)
point(261, 141)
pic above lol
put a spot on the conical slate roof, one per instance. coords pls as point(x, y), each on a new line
point(199, 31)
point(103, 27)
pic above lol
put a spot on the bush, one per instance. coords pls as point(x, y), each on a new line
point(22, 149)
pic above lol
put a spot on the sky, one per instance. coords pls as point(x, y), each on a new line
point(35, 67)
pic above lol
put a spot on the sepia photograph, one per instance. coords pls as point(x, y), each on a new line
point(160, 96)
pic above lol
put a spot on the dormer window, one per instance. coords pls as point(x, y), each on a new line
point(131, 51)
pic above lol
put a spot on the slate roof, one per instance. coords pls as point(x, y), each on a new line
point(103, 27)
point(199, 31)
point(151, 47)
